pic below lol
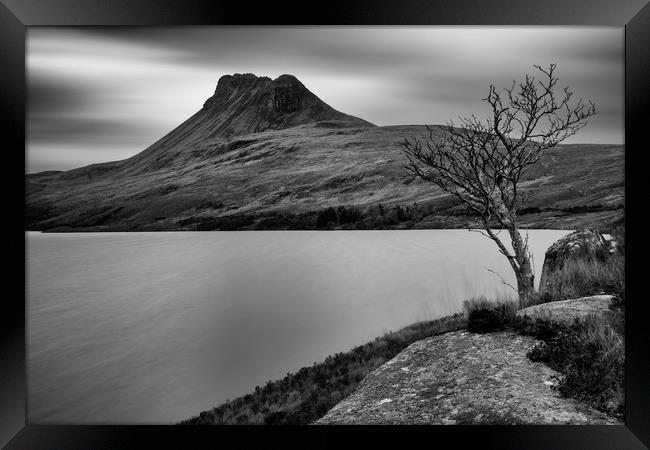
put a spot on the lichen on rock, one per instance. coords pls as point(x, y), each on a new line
point(463, 378)
point(566, 311)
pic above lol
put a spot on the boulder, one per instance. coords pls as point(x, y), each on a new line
point(578, 244)
point(463, 378)
point(566, 311)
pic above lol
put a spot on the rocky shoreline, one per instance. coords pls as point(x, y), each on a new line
point(470, 378)
point(507, 375)
point(559, 361)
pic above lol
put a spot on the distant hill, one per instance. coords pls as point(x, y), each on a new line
point(269, 154)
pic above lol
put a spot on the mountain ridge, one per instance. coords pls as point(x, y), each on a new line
point(269, 154)
point(241, 104)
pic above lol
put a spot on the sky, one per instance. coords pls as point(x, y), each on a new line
point(100, 94)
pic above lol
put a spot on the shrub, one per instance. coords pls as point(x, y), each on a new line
point(543, 329)
point(325, 217)
point(484, 315)
point(590, 355)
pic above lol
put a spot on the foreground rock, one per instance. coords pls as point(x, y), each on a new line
point(566, 311)
point(575, 245)
point(463, 378)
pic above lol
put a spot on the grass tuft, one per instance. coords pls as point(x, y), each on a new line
point(484, 316)
point(583, 277)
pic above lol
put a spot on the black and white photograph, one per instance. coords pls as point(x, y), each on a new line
point(325, 225)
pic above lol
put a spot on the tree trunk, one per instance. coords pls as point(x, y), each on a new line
point(520, 261)
point(526, 285)
point(524, 271)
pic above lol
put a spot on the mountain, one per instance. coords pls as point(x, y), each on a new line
point(244, 104)
point(269, 154)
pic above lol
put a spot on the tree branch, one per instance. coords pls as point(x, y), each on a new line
point(481, 162)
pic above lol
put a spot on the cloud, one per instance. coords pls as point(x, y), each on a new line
point(114, 91)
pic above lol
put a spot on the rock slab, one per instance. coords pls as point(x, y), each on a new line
point(566, 311)
point(463, 378)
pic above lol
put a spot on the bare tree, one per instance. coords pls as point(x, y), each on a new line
point(481, 162)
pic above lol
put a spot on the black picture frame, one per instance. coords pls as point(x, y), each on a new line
point(17, 15)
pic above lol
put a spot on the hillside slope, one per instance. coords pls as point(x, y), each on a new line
point(268, 154)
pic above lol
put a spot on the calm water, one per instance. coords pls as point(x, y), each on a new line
point(156, 327)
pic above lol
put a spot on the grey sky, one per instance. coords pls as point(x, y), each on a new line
point(103, 94)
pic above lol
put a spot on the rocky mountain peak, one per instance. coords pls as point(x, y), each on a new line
point(239, 81)
point(229, 85)
point(287, 80)
point(246, 103)
point(290, 95)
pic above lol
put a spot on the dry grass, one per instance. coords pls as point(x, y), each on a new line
point(582, 277)
point(591, 274)
point(305, 396)
point(484, 315)
point(590, 355)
